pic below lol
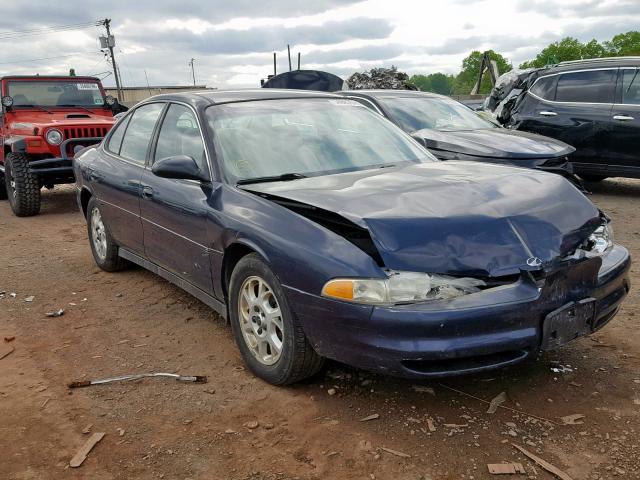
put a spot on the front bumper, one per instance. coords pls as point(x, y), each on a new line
point(490, 329)
point(63, 165)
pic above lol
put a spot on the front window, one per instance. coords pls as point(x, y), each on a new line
point(55, 93)
point(434, 113)
point(306, 137)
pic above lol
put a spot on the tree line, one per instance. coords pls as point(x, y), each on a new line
point(568, 48)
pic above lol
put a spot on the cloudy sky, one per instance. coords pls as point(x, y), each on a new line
point(233, 41)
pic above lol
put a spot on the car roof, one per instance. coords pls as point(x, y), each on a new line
point(48, 77)
point(379, 93)
point(241, 95)
point(613, 62)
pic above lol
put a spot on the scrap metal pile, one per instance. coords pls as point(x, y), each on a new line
point(386, 78)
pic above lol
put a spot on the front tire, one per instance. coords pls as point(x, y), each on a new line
point(266, 330)
point(21, 185)
point(104, 249)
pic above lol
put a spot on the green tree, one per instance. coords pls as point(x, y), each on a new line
point(468, 76)
point(624, 44)
point(434, 82)
point(568, 48)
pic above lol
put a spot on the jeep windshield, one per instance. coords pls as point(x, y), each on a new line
point(283, 140)
point(418, 113)
point(55, 93)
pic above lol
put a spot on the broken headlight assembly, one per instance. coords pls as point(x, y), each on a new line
point(600, 241)
point(400, 287)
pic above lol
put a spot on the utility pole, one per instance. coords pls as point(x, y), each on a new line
point(110, 43)
point(193, 71)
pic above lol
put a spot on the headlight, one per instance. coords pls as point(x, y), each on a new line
point(601, 240)
point(400, 287)
point(54, 137)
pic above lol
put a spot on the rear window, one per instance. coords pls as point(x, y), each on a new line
point(631, 86)
point(595, 86)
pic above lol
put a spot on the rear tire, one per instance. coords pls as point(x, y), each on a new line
point(266, 330)
point(593, 178)
point(104, 249)
point(22, 187)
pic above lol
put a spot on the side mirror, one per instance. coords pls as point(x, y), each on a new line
point(180, 167)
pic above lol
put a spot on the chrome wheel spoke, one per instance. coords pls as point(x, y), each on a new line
point(261, 320)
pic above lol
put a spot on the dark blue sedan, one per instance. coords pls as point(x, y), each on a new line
point(321, 230)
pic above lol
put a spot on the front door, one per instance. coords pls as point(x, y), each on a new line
point(174, 212)
point(625, 116)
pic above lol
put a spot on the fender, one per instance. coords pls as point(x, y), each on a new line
point(16, 144)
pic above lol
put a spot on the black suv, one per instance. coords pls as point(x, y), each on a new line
point(593, 105)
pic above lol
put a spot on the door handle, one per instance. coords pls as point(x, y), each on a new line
point(622, 118)
point(547, 113)
point(147, 192)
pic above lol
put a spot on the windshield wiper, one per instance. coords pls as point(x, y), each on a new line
point(76, 106)
point(36, 106)
point(285, 177)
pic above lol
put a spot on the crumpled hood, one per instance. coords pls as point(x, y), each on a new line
point(462, 218)
point(494, 143)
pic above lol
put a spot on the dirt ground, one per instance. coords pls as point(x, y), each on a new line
point(237, 427)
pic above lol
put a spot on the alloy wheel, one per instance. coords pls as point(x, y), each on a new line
point(261, 320)
point(98, 234)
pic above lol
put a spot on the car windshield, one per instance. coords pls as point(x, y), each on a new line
point(55, 93)
point(417, 113)
point(305, 137)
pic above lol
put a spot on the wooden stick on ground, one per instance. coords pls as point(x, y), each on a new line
point(544, 464)
point(80, 456)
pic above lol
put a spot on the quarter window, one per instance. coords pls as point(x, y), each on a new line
point(180, 135)
point(545, 87)
point(595, 86)
point(115, 140)
point(631, 86)
point(138, 135)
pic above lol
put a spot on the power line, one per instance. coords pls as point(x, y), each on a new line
point(47, 58)
point(48, 30)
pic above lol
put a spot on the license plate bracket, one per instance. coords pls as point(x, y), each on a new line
point(572, 320)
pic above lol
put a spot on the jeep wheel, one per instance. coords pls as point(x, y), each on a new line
point(266, 330)
point(22, 186)
point(104, 249)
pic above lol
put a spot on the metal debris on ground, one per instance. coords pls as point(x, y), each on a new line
point(179, 378)
point(574, 419)
point(5, 351)
point(505, 468)
point(29, 299)
point(375, 416)
point(81, 455)
point(395, 452)
point(385, 78)
point(496, 402)
point(55, 313)
point(557, 367)
point(544, 464)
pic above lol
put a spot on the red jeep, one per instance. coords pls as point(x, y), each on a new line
point(44, 121)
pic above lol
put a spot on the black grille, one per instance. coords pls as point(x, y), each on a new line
point(84, 132)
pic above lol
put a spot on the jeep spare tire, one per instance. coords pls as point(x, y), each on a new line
point(23, 188)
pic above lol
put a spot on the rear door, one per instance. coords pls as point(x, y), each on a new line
point(115, 176)
point(174, 212)
point(575, 107)
point(625, 135)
